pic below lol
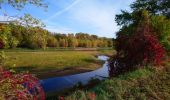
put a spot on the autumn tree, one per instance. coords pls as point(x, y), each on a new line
point(137, 49)
point(161, 26)
point(159, 15)
point(52, 41)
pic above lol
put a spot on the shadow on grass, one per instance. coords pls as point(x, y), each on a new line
point(89, 60)
point(25, 68)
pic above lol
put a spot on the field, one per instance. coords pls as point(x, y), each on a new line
point(50, 63)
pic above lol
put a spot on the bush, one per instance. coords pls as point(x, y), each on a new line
point(139, 49)
point(20, 87)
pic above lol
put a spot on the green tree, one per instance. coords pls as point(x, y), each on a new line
point(52, 41)
point(110, 43)
point(19, 4)
point(5, 34)
point(63, 43)
point(156, 11)
point(94, 43)
point(26, 19)
point(7, 38)
point(154, 7)
point(161, 27)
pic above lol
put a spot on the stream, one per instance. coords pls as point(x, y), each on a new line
point(64, 82)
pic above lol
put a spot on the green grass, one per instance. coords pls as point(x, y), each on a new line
point(37, 61)
point(49, 59)
point(142, 84)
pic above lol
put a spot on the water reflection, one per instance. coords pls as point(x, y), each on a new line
point(60, 83)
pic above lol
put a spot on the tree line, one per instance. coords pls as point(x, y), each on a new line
point(12, 36)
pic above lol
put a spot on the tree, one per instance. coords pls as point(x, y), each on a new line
point(13, 43)
point(52, 41)
point(72, 42)
point(36, 38)
point(94, 43)
point(110, 43)
point(6, 37)
point(154, 7)
point(18, 86)
point(19, 4)
point(161, 26)
point(158, 14)
point(27, 19)
point(5, 33)
point(18, 32)
point(63, 43)
point(137, 46)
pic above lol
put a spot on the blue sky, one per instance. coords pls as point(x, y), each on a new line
point(71, 16)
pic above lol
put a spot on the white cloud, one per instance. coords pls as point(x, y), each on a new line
point(3, 18)
point(62, 11)
point(59, 29)
point(91, 16)
point(97, 16)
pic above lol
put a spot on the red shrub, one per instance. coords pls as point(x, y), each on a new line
point(20, 87)
point(136, 50)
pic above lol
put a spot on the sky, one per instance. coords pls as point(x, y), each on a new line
point(71, 16)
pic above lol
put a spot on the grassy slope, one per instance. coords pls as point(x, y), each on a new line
point(39, 61)
point(143, 84)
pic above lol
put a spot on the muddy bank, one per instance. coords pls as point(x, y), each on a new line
point(68, 71)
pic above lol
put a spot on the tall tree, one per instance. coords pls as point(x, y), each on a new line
point(159, 14)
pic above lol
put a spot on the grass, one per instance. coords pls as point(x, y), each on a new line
point(56, 49)
point(41, 62)
point(142, 84)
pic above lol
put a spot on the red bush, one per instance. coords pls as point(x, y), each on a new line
point(20, 87)
point(136, 50)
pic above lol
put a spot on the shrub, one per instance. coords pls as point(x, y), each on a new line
point(139, 49)
point(20, 87)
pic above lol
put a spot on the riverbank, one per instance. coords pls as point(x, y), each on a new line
point(143, 84)
point(50, 63)
point(69, 71)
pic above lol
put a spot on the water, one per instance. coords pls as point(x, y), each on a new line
point(60, 83)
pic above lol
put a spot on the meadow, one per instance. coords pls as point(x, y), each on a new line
point(49, 63)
